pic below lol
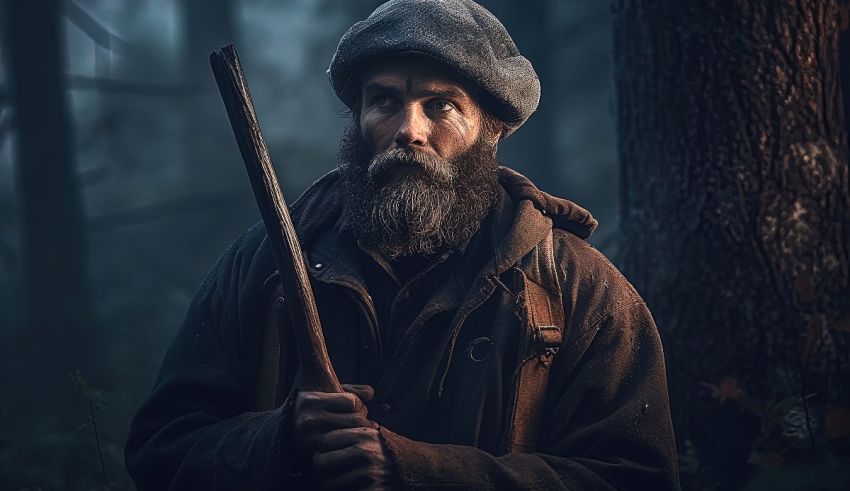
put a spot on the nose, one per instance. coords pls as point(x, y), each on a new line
point(413, 129)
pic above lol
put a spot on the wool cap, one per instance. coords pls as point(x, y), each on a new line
point(459, 33)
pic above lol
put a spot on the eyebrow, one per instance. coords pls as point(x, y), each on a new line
point(449, 92)
point(373, 87)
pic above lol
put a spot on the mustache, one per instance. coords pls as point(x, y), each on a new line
point(384, 164)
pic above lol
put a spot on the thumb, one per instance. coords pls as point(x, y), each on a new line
point(364, 392)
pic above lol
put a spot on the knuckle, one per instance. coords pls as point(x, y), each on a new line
point(309, 422)
point(308, 396)
point(356, 453)
point(351, 399)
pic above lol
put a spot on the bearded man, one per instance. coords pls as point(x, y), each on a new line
point(485, 343)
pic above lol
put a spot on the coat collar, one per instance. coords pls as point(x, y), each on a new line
point(521, 218)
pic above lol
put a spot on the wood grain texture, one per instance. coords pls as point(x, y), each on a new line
point(317, 373)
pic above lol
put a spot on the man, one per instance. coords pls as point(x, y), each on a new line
point(488, 346)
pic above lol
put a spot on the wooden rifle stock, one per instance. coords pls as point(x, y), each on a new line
point(317, 373)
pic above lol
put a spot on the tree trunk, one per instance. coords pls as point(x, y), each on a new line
point(58, 333)
point(736, 221)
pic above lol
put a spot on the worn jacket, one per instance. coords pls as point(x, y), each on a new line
point(445, 411)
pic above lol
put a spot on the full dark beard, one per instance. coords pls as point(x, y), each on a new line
point(404, 202)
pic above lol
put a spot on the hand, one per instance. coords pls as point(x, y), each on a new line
point(353, 458)
point(317, 413)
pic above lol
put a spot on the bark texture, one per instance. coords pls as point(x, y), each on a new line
point(734, 188)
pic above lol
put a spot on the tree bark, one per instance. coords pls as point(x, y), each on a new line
point(736, 219)
point(57, 336)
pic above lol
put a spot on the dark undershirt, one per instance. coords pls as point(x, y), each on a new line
point(401, 288)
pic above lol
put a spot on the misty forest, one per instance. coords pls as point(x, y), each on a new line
point(708, 138)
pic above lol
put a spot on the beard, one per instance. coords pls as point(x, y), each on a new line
point(404, 202)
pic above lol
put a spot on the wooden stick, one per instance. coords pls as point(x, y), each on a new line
point(317, 373)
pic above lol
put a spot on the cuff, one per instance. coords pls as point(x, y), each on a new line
point(416, 462)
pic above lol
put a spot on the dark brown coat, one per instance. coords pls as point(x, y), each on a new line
point(445, 415)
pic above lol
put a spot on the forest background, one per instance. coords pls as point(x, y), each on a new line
point(120, 185)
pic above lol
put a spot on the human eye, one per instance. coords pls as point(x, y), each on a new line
point(382, 100)
point(441, 105)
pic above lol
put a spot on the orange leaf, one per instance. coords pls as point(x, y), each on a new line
point(842, 325)
point(727, 389)
point(836, 425)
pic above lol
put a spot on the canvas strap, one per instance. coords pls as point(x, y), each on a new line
point(544, 327)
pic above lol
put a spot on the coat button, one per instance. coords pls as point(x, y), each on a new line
point(318, 266)
point(479, 349)
point(385, 408)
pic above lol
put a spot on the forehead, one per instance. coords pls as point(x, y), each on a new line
point(414, 72)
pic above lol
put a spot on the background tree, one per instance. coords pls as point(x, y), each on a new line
point(736, 225)
point(57, 335)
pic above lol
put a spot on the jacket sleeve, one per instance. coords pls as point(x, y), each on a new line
point(195, 431)
point(606, 423)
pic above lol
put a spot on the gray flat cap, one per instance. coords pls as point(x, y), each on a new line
point(459, 33)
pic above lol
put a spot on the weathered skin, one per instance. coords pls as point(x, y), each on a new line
point(417, 103)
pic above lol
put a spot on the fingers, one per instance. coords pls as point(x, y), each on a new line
point(364, 392)
point(345, 437)
point(338, 461)
point(360, 465)
point(323, 422)
point(317, 413)
point(343, 402)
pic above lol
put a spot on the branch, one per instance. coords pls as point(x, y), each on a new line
point(165, 209)
point(7, 123)
point(110, 85)
point(93, 29)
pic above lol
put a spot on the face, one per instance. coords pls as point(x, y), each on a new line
point(418, 163)
point(418, 104)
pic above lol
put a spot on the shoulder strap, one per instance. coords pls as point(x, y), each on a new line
point(544, 326)
point(269, 375)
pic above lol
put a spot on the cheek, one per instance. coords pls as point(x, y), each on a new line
point(458, 132)
point(376, 129)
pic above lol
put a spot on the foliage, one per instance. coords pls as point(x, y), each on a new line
point(94, 401)
point(800, 445)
